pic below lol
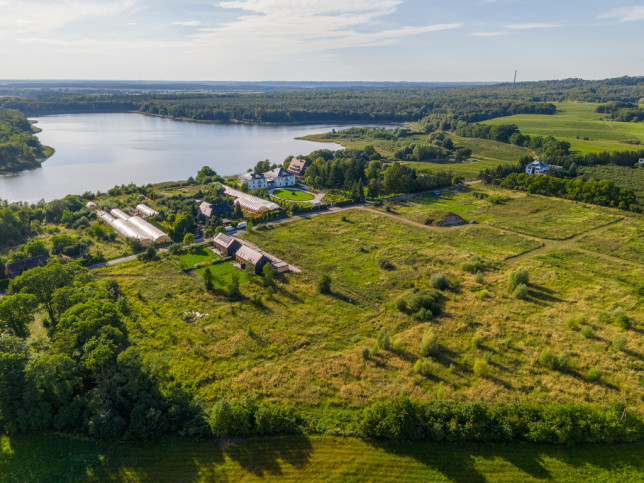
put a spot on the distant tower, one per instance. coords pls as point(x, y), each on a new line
point(515, 76)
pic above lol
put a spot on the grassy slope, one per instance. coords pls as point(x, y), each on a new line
point(304, 348)
point(488, 154)
point(575, 121)
point(52, 458)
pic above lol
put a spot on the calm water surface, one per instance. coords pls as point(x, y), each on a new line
point(97, 151)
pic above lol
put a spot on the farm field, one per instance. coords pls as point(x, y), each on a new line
point(290, 458)
point(532, 215)
point(574, 122)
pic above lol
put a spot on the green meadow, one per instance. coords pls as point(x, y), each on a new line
point(577, 123)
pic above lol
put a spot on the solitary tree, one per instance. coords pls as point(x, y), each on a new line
point(324, 284)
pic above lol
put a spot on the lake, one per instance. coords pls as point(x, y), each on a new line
point(97, 151)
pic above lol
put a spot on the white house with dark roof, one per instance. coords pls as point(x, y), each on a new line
point(253, 180)
point(539, 167)
point(278, 178)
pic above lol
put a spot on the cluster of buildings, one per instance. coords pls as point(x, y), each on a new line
point(245, 256)
point(250, 203)
point(134, 227)
point(275, 178)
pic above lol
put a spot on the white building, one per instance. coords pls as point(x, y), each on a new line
point(641, 161)
point(278, 178)
point(253, 180)
point(539, 167)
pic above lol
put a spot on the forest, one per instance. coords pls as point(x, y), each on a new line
point(440, 106)
point(19, 148)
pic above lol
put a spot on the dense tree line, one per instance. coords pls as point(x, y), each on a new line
point(19, 148)
point(353, 171)
point(622, 111)
point(546, 146)
point(598, 192)
point(402, 419)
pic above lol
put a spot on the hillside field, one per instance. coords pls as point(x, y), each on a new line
point(577, 123)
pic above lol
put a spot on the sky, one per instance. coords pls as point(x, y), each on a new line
point(321, 40)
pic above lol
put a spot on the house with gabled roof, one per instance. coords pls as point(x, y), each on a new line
point(278, 178)
point(253, 180)
point(226, 245)
point(249, 257)
point(539, 167)
point(296, 167)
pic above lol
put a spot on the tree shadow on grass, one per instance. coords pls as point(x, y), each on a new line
point(265, 456)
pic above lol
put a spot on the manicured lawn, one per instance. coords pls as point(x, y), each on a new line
point(202, 255)
point(222, 273)
point(316, 458)
point(293, 195)
point(575, 121)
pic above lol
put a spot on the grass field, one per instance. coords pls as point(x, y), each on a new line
point(300, 347)
point(532, 215)
point(293, 195)
point(574, 122)
point(624, 240)
point(317, 458)
point(202, 255)
point(222, 273)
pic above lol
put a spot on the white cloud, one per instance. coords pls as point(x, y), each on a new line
point(528, 26)
point(28, 16)
point(625, 14)
point(188, 23)
point(290, 26)
point(488, 34)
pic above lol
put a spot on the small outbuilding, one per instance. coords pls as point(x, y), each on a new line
point(247, 256)
point(226, 245)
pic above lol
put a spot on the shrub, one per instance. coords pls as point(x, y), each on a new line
point(587, 331)
point(476, 342)
point(474, 264)
point(424, 367)
point(518, 277)
point(438, 281)
point(619, 342)
point(623, 321)
point(324, 284)
point(365, 353)
point(483, 294)
point(559, 362)
point(571, 323)
point(385, 264)
point(479, 277)
point(384, 339)
point(429, 344)
point(422, 305)
point(481, 368)
point(593, 374)
point(520, 291)
point(398, 344)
